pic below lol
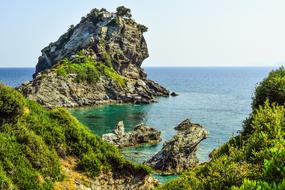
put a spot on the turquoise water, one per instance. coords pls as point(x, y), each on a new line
point(217, 98)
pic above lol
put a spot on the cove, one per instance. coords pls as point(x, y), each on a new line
point(217, 98)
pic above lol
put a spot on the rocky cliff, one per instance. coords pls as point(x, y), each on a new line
point(98, 60)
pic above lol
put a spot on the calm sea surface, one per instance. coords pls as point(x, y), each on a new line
point(15, 76)
point(217, 98)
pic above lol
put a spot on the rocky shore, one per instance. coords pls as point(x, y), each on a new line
point(97, 61)
point(179, 154)
point(140, 135)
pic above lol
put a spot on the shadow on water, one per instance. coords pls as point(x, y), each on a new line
point(102, 119)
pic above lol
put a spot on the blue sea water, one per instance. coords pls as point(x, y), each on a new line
point(15, 76)
point(217, 98)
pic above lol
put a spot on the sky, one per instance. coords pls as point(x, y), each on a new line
point(181, 33)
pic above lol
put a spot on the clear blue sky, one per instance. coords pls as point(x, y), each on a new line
point(181, 32)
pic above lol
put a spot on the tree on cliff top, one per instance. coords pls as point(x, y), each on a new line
point(124, 12)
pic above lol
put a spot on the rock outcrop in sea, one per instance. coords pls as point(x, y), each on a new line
point(179, 154)
point(97, 61)
point(140, 135)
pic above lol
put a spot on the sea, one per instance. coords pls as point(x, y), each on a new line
point(218, 98)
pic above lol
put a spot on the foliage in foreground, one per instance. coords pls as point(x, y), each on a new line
point(255, 159)
point(272, 89)
point(34, 139)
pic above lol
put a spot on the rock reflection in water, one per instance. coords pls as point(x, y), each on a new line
point(104, 118)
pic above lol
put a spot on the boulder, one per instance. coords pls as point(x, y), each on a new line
point(140, 135)
point(179, 154)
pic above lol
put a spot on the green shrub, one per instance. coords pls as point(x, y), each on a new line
point(91, 162)
point(262, 185)
point(124, 12)
point(11, 104)
point(271, 88)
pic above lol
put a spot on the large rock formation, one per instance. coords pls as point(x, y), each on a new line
point(179, 153)
point(141, 134)
point(98, 60)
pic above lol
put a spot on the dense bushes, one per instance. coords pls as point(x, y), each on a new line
point(11, 105)
point(124, 12)
point(271, 88)
point(255, 159)
point(32, 145)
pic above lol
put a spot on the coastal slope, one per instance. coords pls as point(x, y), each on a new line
point(44, 149)
point(97, 61)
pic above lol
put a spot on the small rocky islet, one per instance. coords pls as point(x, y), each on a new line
point(96, 61)
point(140, 135)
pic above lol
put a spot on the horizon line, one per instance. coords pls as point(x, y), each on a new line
point(213, 66)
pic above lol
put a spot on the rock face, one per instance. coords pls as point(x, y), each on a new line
point(105, 181)
point(141, 134)
point(179, 153)
point(114, 44)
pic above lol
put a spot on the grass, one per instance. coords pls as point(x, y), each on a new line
point(88, 70)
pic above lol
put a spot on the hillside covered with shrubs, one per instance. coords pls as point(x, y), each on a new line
point(255, 159)
point(34, 140)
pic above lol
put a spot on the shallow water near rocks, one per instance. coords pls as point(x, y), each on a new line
point(217, 98)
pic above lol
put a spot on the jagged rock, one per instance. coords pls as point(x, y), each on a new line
point(174, 94)
point(114, 41)
point(141, 134)
point(179, 153)
point(120, 129)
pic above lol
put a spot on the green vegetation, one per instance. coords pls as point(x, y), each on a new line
point(124, 12)
point(142, 28)
point(255, 159)
point(11, 105)
point(272, 88)
point(88, 70)
point(35, 140)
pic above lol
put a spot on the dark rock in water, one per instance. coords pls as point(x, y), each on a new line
point(141, 134)
point(174, 94)
point(179, 154)
point(97, 61)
